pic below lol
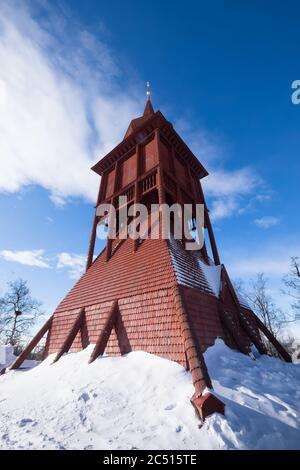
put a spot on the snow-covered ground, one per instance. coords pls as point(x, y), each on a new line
point(142, 401)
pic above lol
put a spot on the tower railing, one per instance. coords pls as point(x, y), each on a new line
point(148, 182)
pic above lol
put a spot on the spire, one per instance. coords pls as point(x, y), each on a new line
point(148, 108)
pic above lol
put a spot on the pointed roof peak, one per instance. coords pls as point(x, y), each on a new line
point(148, 112)
point(148, 108)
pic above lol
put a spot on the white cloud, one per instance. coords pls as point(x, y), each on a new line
point(228, 189)
point(267, 221)
point(61, 107)
point(33, 258)
point(73, 262)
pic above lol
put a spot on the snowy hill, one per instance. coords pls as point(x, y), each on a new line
point(142, 401)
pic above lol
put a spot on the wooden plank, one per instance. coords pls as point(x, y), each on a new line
point(71, 336)
point(105, 333)
point(33, 343)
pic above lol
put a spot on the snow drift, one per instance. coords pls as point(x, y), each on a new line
point(141, 401)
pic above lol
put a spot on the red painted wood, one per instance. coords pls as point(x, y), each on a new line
point(33, 343)
point(105, 333)
point(70, 336)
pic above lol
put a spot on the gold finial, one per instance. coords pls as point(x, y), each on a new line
point(148, 91)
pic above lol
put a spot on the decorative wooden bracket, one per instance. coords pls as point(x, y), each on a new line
point(105, 332)
point(33, 343)
point(77, 325)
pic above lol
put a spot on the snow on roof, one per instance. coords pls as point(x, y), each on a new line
point(188, 268)
point(192, 271)
point(212, 274)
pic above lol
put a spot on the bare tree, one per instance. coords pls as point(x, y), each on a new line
point(18, 312)
point(292, 288)
point(264, 306)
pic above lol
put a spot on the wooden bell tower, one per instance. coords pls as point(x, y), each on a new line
point(154, 295)
point(151, 166)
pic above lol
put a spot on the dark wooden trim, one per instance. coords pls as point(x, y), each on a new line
point(71, 335)
point(33, 343)
point(280, 349)
point(105, 333)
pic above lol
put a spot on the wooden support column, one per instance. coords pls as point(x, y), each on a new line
point(71, 335)
point(94, 231)
point(109, 239)
point(280, 349)
point(212, 240)
point(113, 202)
point(197, 198)
point(205, 404)
point(137, 184)
point(160, 182)
point(92, 242)
point(105, 333)
point(33, 343)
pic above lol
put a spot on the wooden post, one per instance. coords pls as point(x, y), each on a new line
point(71, 336)
point(105, 333)
point(137, 184)
point(92, 243)
point(160, 184)
point(109, 240)
point(94, 231)
point(33, 343)
point(284, 354)
point(197, 198)
point(212, 240)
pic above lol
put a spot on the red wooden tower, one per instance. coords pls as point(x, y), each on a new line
point(154, 295)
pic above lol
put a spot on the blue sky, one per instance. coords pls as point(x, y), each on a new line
point(72, 76)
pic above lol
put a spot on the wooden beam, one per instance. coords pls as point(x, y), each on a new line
point(280, 349)
point(92, 243)
point(71, 336)
point(33, 343)
point(105, 333)
point(225, 279)
point(94, 229)
point(137, 184)
point(208, 225)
